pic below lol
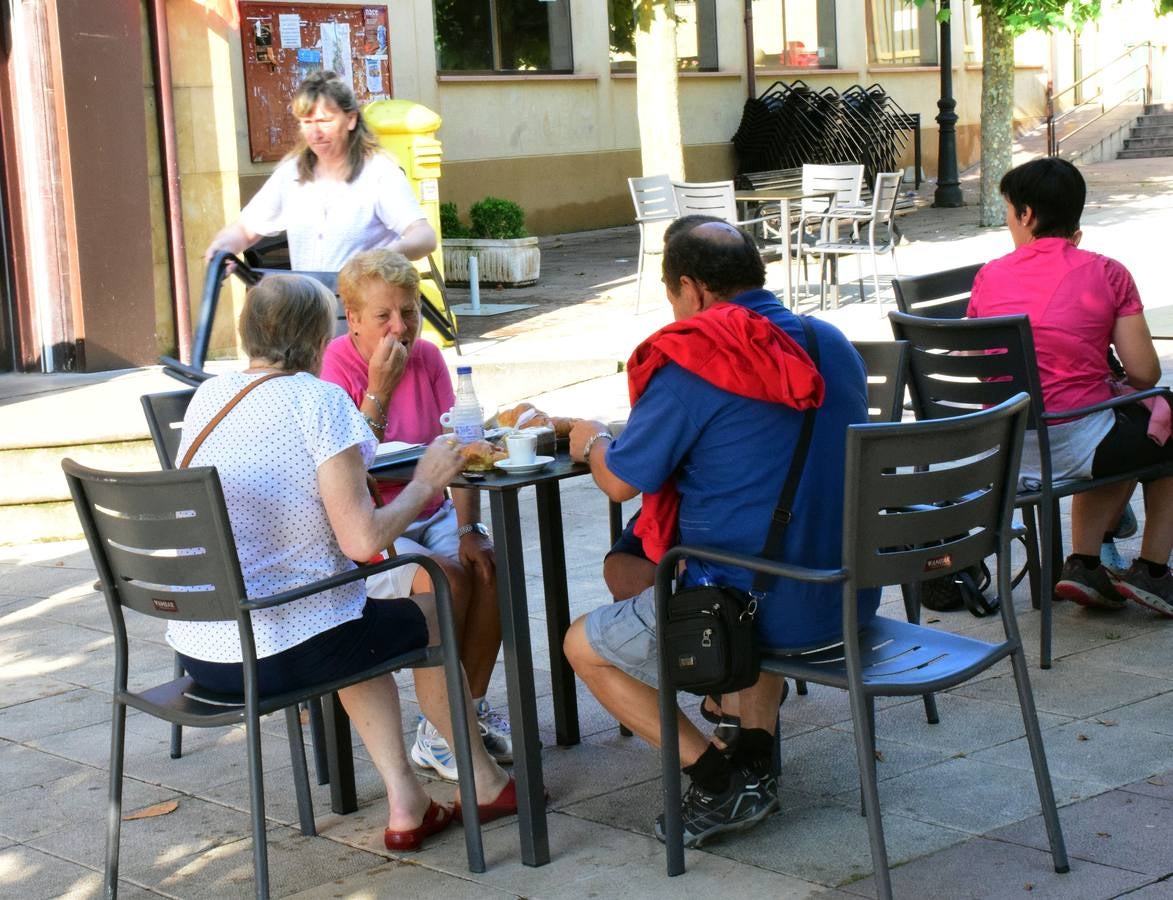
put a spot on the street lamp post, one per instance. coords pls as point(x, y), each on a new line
point(948, 192)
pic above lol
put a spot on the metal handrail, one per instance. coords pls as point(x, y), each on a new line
point(1053, 140)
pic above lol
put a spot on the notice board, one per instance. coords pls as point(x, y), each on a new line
point(282, 43)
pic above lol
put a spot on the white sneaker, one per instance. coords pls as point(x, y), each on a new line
point(431, 751)
point(495, 732)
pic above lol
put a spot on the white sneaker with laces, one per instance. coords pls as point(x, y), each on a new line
point(431, 751)
point(495, 732)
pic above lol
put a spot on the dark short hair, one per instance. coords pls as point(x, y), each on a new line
point(725, 265)
point(1053, 189)
point(286, 320)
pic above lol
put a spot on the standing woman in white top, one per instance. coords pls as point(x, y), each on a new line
point(292, 458)
point(336, 193)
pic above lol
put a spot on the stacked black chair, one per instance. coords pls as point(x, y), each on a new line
point(791, 124)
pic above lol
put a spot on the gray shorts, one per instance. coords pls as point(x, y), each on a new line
point(435, 535)
point(624, 634)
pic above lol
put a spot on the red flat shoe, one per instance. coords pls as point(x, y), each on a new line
point(436, 819)
point(504, 805)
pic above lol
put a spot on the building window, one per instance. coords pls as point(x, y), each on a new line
point(696, 35)
point(794, 33)
point(900, 33)
point(973, 32)
point(503, 36)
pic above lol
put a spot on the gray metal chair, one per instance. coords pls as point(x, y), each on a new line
point(963, 497)
point(655, 201)
point(152, 534)
point(881, 235)
point(937, 295)
point(951, 372)
point(164, 413)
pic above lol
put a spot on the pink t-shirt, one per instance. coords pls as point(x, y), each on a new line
point(422, 395)
point(1073, 298)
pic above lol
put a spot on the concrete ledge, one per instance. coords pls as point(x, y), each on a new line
point(33, 474)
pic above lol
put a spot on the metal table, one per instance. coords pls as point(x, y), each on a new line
point(502, 489)
point(782, 196)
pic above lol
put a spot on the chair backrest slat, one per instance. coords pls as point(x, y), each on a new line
point(165, 414)
point(937, 295)
point(710, 198)
point(845, 180)
point(950, 366)
point(887, 367)
point(884, 198)
point(151, 532)
point(653, 198)
point(964, 499)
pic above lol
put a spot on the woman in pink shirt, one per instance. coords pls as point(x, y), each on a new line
point(401, 386)
point(1079, 304)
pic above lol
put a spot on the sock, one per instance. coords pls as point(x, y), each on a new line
point(1090, 562)
point(755, 749)
point(1155, 570)
point(711, 771)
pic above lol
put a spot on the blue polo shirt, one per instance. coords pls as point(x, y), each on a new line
point(730, 455)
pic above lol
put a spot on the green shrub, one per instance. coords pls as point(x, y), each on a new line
point(497, 218)
point(450, 224)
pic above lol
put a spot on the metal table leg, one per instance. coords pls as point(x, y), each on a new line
point(523, 712)
point(557, 612)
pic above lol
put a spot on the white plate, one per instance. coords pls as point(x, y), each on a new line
point(508, 465)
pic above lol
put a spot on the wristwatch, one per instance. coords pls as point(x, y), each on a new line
point(598, 435)
point(478, 527)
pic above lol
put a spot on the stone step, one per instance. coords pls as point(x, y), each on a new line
point(1145, 130)
point(1144, 154)
point(1158, 108)
point(33, 474)
point(1155, 119)
point(1153, 143)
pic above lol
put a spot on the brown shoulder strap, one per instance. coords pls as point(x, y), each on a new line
point(199, 439)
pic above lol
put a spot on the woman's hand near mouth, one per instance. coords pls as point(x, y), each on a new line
point(386, 366)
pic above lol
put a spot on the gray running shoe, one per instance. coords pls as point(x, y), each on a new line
point(495, 732)
point(744, 803)
point(1088, 587)
point(1155, 593)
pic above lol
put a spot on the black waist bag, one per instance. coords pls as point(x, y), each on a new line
point(711, 640)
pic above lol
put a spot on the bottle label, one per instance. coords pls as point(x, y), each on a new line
point(466, 433)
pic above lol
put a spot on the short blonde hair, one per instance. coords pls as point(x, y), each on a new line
point(379, 264)
point(287, 320)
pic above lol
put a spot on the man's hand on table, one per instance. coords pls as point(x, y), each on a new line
point(580, 436)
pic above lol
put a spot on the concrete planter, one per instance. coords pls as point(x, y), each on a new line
point(515, 262)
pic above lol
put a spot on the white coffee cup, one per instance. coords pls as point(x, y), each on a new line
point(523, 448)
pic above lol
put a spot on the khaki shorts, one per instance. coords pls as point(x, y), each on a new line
point(624, 634)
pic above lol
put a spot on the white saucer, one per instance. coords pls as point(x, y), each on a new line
point(508, 465)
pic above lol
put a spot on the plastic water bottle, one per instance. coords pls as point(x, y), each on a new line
point(468, 421)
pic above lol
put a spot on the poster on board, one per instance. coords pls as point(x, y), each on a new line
point(283, 43)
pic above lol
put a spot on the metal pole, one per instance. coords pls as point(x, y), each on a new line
point(948, 193)
point(751, 84)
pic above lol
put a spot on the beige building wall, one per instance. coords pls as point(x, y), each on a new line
point(563, 145)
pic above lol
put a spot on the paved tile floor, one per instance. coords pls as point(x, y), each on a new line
point(959, 801)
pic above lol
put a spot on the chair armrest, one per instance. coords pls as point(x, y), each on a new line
point(325, 584)
point(1112, 403)
point(753, 563)
point(182, 372)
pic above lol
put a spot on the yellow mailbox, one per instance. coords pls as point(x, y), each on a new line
point(407, 130)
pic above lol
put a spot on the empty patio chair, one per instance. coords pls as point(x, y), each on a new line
point(655, 202)
point(937, 295)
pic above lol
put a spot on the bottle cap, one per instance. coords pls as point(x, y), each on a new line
point(464, 370)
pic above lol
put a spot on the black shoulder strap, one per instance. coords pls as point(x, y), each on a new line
point(782, 512)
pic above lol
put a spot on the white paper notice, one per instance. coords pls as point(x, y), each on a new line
point(374, 75)
point(290, 26)
point(336, 49)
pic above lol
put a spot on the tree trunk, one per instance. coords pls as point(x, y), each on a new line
point(997, 112)
point(656, 98)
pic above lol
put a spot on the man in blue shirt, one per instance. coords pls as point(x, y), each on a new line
point(718, 400)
